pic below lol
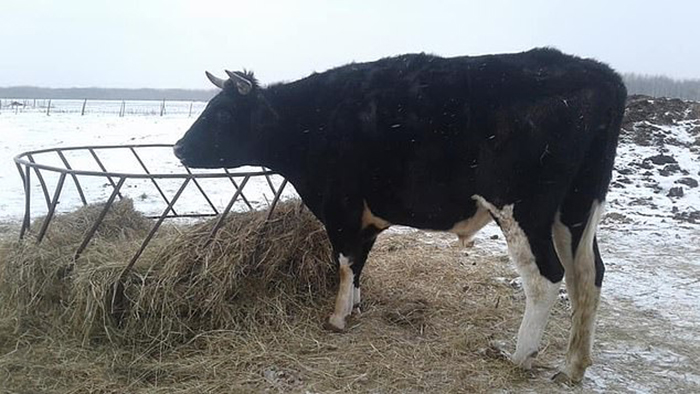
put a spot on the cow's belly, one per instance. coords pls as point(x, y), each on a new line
point(460, 216)
point(464, 228)
point(424, 192)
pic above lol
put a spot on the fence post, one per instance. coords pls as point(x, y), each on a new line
point(122, 109)
point(34, 104)
point(189, 115)
point(48, 108)
point(82, 111)
point(162, 108)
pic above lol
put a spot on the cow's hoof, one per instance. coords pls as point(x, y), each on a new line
point(335, 325)
point(466, 242)
point(563, 378)
point(525, 362)
point(497, 350)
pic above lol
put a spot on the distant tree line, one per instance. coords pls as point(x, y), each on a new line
point(650, 85)
point(661, 86)
point(32, 92)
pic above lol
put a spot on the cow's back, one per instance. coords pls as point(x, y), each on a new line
point(418, 135)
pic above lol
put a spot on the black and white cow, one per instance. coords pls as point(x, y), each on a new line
point(525, 139)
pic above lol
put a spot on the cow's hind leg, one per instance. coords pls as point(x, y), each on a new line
point(574, 234)
point(532, 250)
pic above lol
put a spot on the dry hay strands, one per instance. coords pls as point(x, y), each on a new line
point(121, 223)
point(255, 273)
point(37, 281)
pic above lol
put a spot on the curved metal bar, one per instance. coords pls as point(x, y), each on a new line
point(211, 205)
point(209, 175)
point(150, 235)
point(104, 169)
point(233, 181)
point(73, 175)
point(99, 219)
point(220, 222)
point(27, 202)
point(269, 182)
point(145, 169)
point(85, 147)
point(52, 208)
point(42, 183)
point(276, 199)
point(21, 159)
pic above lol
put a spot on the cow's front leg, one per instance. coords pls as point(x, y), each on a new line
point(344, 300)
point(349, 269)
point(352, 230)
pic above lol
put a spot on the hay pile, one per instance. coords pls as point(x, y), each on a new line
point(253, 272)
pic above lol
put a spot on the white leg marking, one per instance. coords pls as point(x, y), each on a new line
point(583, 293)
point(344, 299)
point(541, 295)
point(562, 243)
point(356, 300)
point(540, 292)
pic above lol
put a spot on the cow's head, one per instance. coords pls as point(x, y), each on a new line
point(226, 134)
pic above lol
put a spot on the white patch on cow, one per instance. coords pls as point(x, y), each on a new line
point(356, 300)
point(344, 299)
point(368, 219)
point(583, 293)
point(562, 243)
point(539, 291)
point(466, 229)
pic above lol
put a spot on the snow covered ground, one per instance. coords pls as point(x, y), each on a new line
point(650, 236)
point(31, 129)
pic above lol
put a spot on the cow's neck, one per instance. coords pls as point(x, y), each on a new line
point(288, 155)
point(285, 148)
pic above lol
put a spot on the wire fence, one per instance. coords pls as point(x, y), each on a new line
point(110, 107)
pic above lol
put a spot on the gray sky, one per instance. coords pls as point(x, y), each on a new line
point(169, 43)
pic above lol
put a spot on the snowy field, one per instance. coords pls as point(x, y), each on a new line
point(649, 319)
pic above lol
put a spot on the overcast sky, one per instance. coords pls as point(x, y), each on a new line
point(168, 44)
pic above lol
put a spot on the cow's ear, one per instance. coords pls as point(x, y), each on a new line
point(243, 85)
point(218, 82)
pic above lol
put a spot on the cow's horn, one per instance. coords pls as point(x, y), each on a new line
point(218, 82)
point(244, 86)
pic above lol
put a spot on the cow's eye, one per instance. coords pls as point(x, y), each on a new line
point(223, 116)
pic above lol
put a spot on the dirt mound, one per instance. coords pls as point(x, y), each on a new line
point(647, 121)
point(659, 110)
